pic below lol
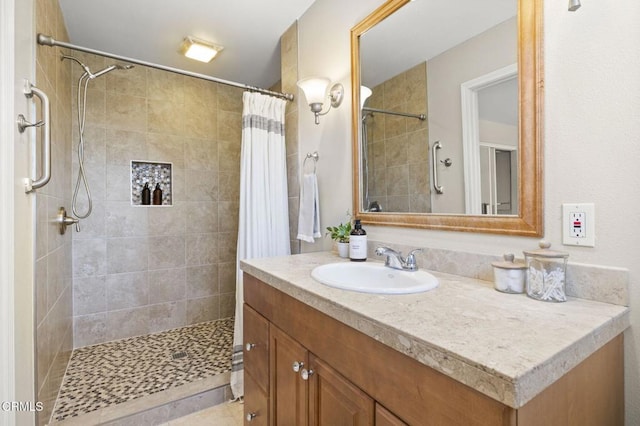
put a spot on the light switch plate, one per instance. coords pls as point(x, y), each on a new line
point(578, 224)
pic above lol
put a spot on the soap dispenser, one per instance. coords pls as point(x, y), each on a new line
point(157, 195)
point(146, 195)
point(358, 243)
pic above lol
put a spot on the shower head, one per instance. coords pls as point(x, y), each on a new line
point(111, 68)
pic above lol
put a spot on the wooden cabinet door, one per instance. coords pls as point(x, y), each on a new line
point(385, 417)
point(288, 392)
point(256, 349)
point(334, 401)
point(256, 403)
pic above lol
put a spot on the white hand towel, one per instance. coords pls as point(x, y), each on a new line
point(309, 217)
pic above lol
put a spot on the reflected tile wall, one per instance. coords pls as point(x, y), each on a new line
point(53, 269)
point(138, 269)
point(289, 78)
point(398, 148)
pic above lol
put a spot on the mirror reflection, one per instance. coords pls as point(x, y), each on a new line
point(439, 109)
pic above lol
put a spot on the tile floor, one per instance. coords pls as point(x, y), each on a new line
point(227, 414)
point(115, 372)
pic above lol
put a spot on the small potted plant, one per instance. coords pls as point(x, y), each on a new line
point(340, 234)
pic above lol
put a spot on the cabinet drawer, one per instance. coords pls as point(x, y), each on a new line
point(256, 347)
point(256, 403)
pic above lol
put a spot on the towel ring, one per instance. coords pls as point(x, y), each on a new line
point(315, 156)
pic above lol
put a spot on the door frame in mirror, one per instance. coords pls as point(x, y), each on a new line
point(529, 221)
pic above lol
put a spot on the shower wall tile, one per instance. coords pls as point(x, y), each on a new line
point(227, 242)
point(203, 309)
point(227, 277)
point(229, 154)
point(123, 221)
point(41, 282)
point(89, 257)
point(202, 217)
point(166, 148)
point(199, 122)
point(166, 86)
point(230, 99)
point(163, 118)
point(202, 281)
point(127, 290)
point(127, 323)
point(229, 126)
point(118, 183)
point(167, 221)
point(94, 225)
point(126, 112)
point(202, 153)
point(122, 146)
point(132, 82)
point(166, 285)
point(165, 316)
point(227, 304)
point(229, 184)
point(89, 295)
point(89, 329)
point(94, 146)
point(228, 215)
point(53, 268)
point(126, 255)
point(202, 185)
point(166, 252)
point(201, 249)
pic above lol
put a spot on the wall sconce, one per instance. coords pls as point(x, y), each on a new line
point(198, 49)
point(574, 5)
point(315, 89)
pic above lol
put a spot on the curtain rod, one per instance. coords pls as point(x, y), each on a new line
point(50, 41)
point(403, 114)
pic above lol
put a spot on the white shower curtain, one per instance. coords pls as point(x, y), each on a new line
point(263, 228)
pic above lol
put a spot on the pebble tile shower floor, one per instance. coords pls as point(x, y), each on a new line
point(114, 372)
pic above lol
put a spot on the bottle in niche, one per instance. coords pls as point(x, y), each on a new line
point(157, 195)
point(358, 243)
point(146, 195)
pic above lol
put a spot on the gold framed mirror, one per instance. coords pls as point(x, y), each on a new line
point(527, 219)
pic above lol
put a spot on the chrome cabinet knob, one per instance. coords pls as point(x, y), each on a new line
point(249, 346)
point(251, 416)
point(297, 365)
point(305, 374)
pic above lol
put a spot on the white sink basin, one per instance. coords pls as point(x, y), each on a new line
point(373, 278)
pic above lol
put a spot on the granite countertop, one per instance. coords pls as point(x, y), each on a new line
point(507, 346)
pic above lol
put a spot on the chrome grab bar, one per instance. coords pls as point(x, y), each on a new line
point(436, 146)
point(29, 91)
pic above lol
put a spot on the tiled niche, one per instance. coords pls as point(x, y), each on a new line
point(153, 173)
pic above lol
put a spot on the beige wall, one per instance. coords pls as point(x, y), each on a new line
point(53, 251)
point(489, 51)
point(591, 140)
point(139, 270)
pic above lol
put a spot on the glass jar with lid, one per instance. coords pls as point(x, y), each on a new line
point(546, 271)
point(509, 275)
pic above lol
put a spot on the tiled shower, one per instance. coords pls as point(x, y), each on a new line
point(144, 269)
point(135, 270)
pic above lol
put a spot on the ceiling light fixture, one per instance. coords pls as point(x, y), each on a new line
point(198, 49)
point(315, 89)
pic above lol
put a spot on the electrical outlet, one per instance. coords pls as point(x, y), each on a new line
point(578, 225)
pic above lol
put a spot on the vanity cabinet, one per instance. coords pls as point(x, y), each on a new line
point(352, 379)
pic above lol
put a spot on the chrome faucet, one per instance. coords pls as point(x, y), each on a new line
point(395, 260)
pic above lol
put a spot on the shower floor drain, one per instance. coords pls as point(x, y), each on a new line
point(179, 355)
